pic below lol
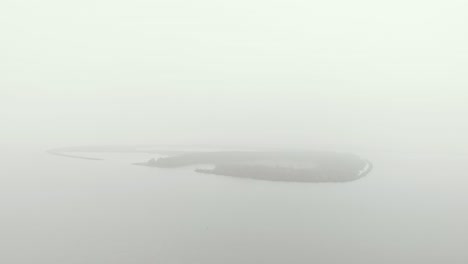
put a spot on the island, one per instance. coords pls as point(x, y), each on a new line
point(272, 166)
point(287, 166)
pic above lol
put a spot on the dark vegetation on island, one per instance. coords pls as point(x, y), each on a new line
point(294, 166)
point(273, 166)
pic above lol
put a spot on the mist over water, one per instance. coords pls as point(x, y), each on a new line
point(410, 209)
point(385, 81)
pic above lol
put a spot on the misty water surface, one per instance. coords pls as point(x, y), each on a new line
point(55, 210)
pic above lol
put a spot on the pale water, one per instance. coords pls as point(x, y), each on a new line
point(410, 209)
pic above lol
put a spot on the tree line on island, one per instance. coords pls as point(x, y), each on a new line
point(273, 166)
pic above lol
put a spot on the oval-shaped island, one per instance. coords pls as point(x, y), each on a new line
point(273, 166)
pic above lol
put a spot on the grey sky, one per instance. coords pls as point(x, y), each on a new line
point(381, 74)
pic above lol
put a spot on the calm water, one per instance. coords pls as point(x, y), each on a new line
point(54, 210)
